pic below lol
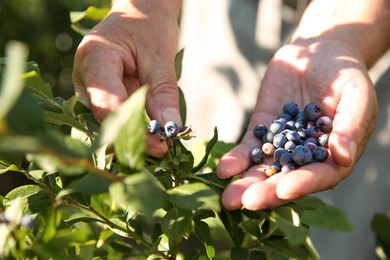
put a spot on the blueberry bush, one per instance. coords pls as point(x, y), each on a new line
point(96, 194)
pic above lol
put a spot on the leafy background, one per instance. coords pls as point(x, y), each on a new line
point(44, 25)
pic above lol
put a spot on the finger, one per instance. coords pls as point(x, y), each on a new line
point(231, 197)
point(101, 73)
point(162, 102)
point(310, 179)
point(354, 120)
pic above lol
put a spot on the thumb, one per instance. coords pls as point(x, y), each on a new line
point(162, 101)
point(354, 121)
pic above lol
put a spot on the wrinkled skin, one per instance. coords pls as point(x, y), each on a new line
point(334, 77)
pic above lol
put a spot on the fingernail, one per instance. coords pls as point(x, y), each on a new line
point(352, 150)
point(171, 114)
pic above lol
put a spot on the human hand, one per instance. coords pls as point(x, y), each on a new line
point(134, 45)
point(329, 74)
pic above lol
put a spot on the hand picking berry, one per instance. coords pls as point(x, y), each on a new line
point(294, 139)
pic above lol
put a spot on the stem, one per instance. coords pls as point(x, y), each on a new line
point(131, 234)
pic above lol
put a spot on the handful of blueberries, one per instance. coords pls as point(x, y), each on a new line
point(294, 139)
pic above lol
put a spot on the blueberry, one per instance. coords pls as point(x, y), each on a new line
point(302, 155)
point(171, 129)
point(28, 222)
point(313, 131)
point(288, 167)
point(260, 130)
point(324, 123)
point(290, 125)
point(289, 145)
point(310, 145)
point(286, 158)
point(311, 140)
point(277, 126)
point(293, 136)
point(285, 117)
point(323, 140)
point(312, 112)
point(300, 124)
point(300, 116)
point(269, 137)
point(278, 153)
point(257, 156)
point(153, 127)
point(291, 109)
point(320, 154)
point(302, 133)
point(279, 140)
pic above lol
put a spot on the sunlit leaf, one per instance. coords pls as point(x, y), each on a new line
point(126, 128)
point(195, 196)
point(176, 224)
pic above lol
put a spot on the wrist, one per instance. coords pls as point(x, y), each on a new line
point(360, 25)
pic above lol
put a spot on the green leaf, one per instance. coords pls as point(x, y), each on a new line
point(10, 162)
point(125, 127)
point(182, 106)
point(202, 231)
point(178, 63)
point(63, 119)
point(176, 224)
point(230, 220)
point(92, 13)
point(194, 196)
point(139, 192)
point(287, 220)
point(69, 106)
point(12, 82)
point(239, 253)
point(34, 198)
point(26, 117)
point(252, 227)
point(91, 183)
point(209, 147)
point(327, 216)
point(37, 86)
point(282, 248)
point(380, 224)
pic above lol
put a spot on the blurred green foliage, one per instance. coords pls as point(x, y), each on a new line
point(44, 25)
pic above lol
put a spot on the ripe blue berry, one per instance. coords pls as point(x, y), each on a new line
point(171, 129)
point(313, 131)
point(153, 127)
point(278, 153)
point(257, 156)
point(285, 117)
point(269, 137)
point(302, 155)
point(286, 158)
point(323, 140)
point(277, 126)
point(288, 167)
point(279, 140)
point(289, 145)
point(293, 136)
point(312, 112)
point(291, 109)
point(320, 154)
point(28, 222)
point(324, 123)
point(260, 130)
